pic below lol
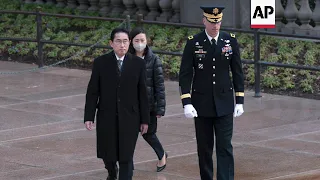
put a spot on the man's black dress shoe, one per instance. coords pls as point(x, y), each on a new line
point(111, 178)
point(114, 176)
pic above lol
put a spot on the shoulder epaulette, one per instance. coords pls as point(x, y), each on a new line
point(190, 37)
point(232, 35)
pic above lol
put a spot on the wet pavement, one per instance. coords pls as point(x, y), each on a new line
point(42, 136)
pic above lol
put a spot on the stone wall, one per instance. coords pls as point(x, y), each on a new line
point(236, 14)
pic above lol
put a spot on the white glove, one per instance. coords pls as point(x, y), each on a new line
point(190, 111)
point(238, 110)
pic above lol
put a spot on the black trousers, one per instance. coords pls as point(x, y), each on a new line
point(222, 128)
point(152, 138)
point(125, 169)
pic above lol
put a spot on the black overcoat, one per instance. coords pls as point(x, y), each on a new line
point(121, 102)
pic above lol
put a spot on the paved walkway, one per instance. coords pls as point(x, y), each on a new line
point(42, 136)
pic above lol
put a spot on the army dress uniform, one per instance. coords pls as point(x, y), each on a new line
point(205, 82)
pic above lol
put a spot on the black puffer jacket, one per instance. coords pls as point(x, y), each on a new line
point(155, 83)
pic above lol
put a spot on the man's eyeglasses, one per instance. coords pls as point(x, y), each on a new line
point(119, 42)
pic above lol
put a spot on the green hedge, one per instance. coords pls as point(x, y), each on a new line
point(166, 38)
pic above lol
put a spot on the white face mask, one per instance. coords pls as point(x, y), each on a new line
point(139, 46)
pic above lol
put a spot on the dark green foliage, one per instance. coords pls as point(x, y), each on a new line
point(165, 38)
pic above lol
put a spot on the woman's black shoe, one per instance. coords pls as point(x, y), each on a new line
point(159, 169)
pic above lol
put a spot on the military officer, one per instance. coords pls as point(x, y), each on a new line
point(207, 92)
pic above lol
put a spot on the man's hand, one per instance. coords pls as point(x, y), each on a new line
point(190, 111)
point(238, 110)
point(143, 128)
point(89, 125)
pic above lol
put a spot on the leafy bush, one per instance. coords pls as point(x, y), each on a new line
point(165, 38)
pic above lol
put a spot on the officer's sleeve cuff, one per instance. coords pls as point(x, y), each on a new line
point(186, 99)
point(239, 97)
point(183, 96)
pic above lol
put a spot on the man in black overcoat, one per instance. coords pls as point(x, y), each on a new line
point(207, 92)
point(117, 90)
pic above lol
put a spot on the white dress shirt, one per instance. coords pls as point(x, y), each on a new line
point(119, 58)
point(209, 37)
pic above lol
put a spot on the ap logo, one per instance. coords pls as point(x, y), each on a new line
point(263, 14)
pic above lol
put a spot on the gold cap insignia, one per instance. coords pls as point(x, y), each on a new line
point(215, 11)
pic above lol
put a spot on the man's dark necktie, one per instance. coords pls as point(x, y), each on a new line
point(119, 64)
point(213, 42)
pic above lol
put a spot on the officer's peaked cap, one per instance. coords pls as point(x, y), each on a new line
point(212, 13)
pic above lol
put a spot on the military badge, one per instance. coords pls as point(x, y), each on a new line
point(200, 56)
point(200, 66)
point(215, 11)
point(227, 49)
point(201, 51)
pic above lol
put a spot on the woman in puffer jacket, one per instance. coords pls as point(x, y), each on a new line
point(155, 88)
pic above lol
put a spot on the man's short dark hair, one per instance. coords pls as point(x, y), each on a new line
point(118, 30)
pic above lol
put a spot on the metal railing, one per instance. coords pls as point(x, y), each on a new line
point(257, 62)
point(39, 37)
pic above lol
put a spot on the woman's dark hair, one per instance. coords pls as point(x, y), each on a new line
point(134, 32)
